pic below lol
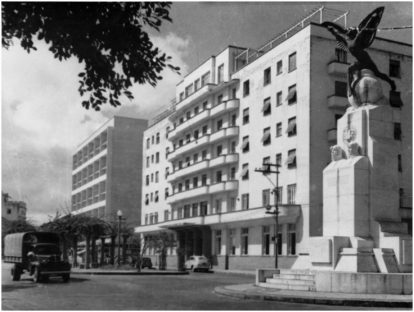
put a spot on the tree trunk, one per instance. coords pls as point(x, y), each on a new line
point(75, 252)
point(124, 240)
point(112, 251)
point(102, 261)
point(64, 249)
point(93, 251)
point(88, 252)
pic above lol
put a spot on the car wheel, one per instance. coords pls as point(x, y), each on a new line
point(66, 277)
point(15, 272)
point(36, 275)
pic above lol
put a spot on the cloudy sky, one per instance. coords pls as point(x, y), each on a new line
point(43, 120)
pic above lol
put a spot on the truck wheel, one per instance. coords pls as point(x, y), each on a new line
point(15, 272)
point(66, 277)
point(37, 278)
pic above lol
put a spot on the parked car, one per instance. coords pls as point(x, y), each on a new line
point(197, 263)
point(146, 263)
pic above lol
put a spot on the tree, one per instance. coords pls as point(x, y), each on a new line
point(108, 37)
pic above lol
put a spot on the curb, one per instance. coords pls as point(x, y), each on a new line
point(362, 302)
point(128, 273)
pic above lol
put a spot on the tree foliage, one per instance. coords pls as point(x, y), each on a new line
point(110, 38)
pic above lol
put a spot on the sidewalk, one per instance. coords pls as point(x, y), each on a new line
point(98, 271)
point(250, 291)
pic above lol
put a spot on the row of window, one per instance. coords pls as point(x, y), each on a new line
point(93, 171)
point(199, 83)
point(90, 150)
point(96, 213)
point(154, 158)
point(91, 195)
point(267, 75)
point(153, 140)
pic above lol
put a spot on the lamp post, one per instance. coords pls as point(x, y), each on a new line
point(266, 169)
point(119, 214)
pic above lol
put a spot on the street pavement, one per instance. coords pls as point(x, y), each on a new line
point(194, 291)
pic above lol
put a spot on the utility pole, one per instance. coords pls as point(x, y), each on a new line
point(266, 169)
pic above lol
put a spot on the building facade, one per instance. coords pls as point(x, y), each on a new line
point(13, 210)
point(242, 108)
point(107, 171)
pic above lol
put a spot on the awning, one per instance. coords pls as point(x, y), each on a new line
point(291, 128)
point(266, 105)
point(291, 159)
point(246, 112)
point(266, 136)
point(292, 94)
point(244, 172)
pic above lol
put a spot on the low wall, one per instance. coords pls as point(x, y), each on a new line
point(365, 283)
point(251, 263)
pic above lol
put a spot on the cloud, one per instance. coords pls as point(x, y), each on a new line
point(43, 120)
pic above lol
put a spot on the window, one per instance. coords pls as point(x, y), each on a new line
point(188, 90)
point(233, 173)
point(217, 242)
point(266, 160)
point(266, 240)
point(280, 194)
point(156, 177)
point(196, 110)
point(341, 56)
point(267, 78)
point(146, 219)
point(219, 150)
point(152, 177)
point(187, 184)
point(218, 176)
point(279, 159)
point(266, 197)
point(166, 215)
point(291, 193)
point(180, 187)
point(244, 241)
point(232, 241)
point(279, 241)
point(399, 163)
point(180, 213)
point(245, 116)
point(147, 181)
point(194, 210)
point(204, 155)
point(195, 182)
point(205, 79)
point(291, 128)
point(291, 98)
point(233, 147)
point(180, 164)
point(197, 84)
point(188, 115)
point(266, 139)
point(245, 201)
point(267, 108)
point(167, 151)
point(166, 192)
point(279, 98)
point(204, 180)
point(157, 138)
point(220, 73)
point(395, 69)
point(395, 99)
point(181, 96)
point(152, 159)
point(291, 161)
point(219, 124)
point(148, 161)
point(157, 157)
point(196, 133)
point(292, 62)
point(203, 208)
point(204, 130)
point(397, 131)
point(218, 205)
point(245, 172)
point(188, 138)
point(291, 239)
point(148, 143)
point(245, 144)
point(232, 206)
point(279, 67)
point(187, 211)
point(205, 105)
point(152, 140)
point(233, 120)
point(233, 93)
point(152, 196)
point(187, 161)
point(195, 158)
point(279, 129)
point(246, 88)
point(341, 89)
point(156, 196)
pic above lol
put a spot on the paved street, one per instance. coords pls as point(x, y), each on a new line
point(99, 292)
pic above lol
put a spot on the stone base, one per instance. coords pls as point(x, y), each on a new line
point(385, 257)
point(357, 260)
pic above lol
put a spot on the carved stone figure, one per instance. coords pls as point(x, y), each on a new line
point(336, 153)
point(367, 91)
point(353, 149)
point(356, 40)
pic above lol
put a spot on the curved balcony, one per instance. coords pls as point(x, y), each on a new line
point(206, 139)
point(203, 165)
point(335, 101)
point(224, 107)
point(193, 121)
point(197, 95)
point(224, 134)
point(338, 69)
point(224, 186)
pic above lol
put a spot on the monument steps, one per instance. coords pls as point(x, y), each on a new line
point(291, 280)
point(288, 287)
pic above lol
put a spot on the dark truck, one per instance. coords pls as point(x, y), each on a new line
point(37, 253)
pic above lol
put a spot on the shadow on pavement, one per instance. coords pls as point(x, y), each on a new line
point(7, 288)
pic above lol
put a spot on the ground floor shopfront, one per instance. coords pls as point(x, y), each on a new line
point(244, 244)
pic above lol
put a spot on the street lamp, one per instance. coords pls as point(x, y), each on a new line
point(266, 169)
point(119, 214)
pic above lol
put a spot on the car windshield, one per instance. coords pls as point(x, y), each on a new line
point(47, 250)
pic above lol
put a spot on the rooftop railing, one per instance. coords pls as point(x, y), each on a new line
point(317, 16)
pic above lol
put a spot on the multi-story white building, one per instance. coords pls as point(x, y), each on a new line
point(243, 108)
point(107, 171)
point(12, 210)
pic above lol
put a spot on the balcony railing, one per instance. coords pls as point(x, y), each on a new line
point(338, 69)
point(224, 186)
